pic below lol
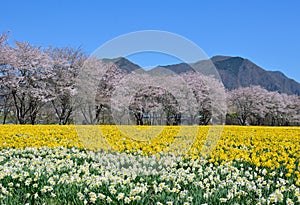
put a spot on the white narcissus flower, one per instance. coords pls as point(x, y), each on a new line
point(36, 195)
point(120, 196)
point(289, 201)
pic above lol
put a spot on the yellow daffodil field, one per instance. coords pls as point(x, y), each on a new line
point(108, 164)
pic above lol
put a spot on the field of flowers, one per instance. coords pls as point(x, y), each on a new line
point(51, 164)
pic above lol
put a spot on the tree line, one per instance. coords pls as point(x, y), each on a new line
point(45, 85)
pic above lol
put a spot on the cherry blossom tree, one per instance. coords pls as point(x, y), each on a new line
point(137, 99)
point(106, 87)
point(209, 94)
point(282, 109)
point(95, 86)
point(247, 102)
point(293, 110)
point(150, 101)
point(25, 75)
point(5, 95)
point(66, 63)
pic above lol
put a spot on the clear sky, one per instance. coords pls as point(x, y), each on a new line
point(266, 32)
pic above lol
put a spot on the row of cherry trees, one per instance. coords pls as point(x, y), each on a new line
point(110, 95)
point(199, 101)
point(56, 85)
point(257, 106)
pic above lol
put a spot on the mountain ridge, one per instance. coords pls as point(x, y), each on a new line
point(234, 72)
point(248, 73)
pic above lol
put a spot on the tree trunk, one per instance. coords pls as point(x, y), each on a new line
point(4, 119)
point(139, 118)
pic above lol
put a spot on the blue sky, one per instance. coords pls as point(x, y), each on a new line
point(266, 32)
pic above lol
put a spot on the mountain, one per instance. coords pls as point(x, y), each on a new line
point(240, 72)
point(234, 71)
point(122, 63)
